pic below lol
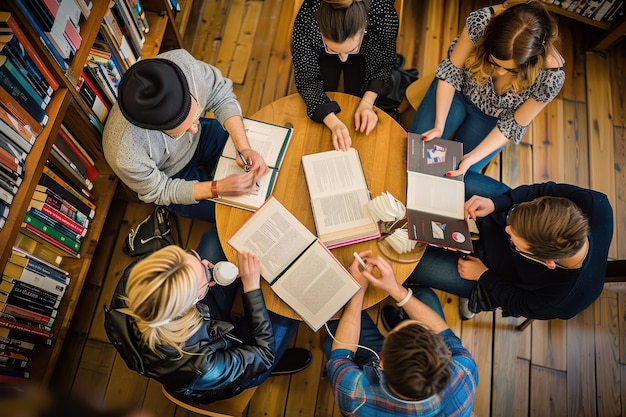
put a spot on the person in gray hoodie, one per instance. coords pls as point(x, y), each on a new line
point(158, 142)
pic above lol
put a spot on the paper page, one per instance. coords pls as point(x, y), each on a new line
point(316, 287)
point(339, 212)
point(275, 236)
point(226, 167)
point(266, 139)
point(333, 172)
point(435, 195)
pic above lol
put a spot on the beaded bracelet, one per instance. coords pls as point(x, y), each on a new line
point(214, 193)
point(409, 293)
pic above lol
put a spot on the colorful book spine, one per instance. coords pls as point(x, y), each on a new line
point(56, 202)
point(53, 235)
point(20, 97)
point(11, 71)
point(15, 108)
point(27, 314)
point(28, 303)
point(15, 131)
point(32, 330)
point(35, 293)
point(42, 35)
point(29, 48)
point(61, 228)
point(91, 172)
point(56, 215)
point(64, 190)
point(81, 196)
point(40, 266)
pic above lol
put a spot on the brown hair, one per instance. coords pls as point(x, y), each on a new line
point(339, 20)
point(554, 227)
point(523, 32)
point(416, 361)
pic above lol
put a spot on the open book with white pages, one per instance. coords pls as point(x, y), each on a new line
point(434, 201)
point(339, 198)
point(296, 264)
point(271, 142)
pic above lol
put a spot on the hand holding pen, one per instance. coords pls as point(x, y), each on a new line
point(246, 165)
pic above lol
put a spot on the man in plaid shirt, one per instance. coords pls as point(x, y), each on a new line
point(425, 369)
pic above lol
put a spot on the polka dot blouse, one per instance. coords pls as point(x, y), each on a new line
point(378, 48)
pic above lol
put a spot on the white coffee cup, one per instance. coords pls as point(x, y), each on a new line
point(224, 273)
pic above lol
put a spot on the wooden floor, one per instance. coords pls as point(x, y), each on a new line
point(554, 368)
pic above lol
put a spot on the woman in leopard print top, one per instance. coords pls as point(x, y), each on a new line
point(500, 72)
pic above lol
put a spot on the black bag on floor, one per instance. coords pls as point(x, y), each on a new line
point(152, 234)
point(401, 78)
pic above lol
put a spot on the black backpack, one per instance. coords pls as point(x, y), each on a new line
point(401, 78)
point(151, 234)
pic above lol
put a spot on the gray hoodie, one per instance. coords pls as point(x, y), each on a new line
point(145, 159)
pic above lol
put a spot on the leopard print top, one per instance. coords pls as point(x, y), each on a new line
point(502, 106)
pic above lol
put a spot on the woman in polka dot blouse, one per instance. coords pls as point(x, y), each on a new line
point(357, 37)
point(501, 71)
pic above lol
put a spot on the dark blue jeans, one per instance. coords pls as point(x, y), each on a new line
point(220, 301)
point(212, 140)
point(438, 267)
point(470, 124)
point(370, 336)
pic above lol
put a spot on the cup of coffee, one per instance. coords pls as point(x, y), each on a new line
point(224, 273)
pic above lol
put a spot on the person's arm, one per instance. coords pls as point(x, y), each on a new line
point(349, 327)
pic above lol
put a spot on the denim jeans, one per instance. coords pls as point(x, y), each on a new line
point(201, 166)
point(370, 336)
point(220, 301)
point(470, 124)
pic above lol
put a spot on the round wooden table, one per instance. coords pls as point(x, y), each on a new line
point(383, 156)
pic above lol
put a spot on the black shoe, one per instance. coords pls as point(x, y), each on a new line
point(294, 360)
point(391, 316)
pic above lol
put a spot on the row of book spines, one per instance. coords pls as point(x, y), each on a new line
point(605, 10)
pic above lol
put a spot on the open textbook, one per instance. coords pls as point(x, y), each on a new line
point(271, 142)
point(434, 201)
point(339, 198)
point(298, 267)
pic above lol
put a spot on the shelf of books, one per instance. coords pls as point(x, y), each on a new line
point(60, 62)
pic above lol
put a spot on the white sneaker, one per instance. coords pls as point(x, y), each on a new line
point(464, 310)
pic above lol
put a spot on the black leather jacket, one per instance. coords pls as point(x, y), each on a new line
point(223, 361)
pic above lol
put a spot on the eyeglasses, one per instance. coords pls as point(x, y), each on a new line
point(208, 274)
point(513, 71)
point(199, 113)
point(352, 52)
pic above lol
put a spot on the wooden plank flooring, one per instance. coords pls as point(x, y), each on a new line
point(555, 368)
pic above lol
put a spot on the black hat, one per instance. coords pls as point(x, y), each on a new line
point(154, 94)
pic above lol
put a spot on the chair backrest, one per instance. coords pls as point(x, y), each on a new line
point(231, 407)
point(416, 90)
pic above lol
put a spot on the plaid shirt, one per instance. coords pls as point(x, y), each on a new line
point(362, 391)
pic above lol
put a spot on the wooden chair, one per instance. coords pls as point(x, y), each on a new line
point(413, 97)
point(231, 407)
point(615, 272)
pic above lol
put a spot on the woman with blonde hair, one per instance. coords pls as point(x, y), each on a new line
point(356, 37)
point(500, 72)
point(170, 321)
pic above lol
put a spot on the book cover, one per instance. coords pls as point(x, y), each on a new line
point(16, 53)
point(306, 275)
point(28, 302)
point(67, 140)
point(17, 273)
point(53, 235)
point(271, 142)
point(48, 197)
point(39, 265)
point(15, 131)
point(39, 248)
point(59, 217)
point(58, 226)
point(13, 105)
point(7, 19)
point(49, 179)
point(25, 100)
point(42, 334)
point(14, 76)
point(30, 291)
point(434, 201)
point(27, 314)
point(94, 99)
point(339, 197)
point(41, 31)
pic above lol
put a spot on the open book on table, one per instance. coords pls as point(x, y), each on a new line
point(271, 142)
point(339, 196)
point(435, 202)
point(298, 267)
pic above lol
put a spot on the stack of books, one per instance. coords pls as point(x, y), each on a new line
point(31, 291)
point(26, 88)
point(62, 204)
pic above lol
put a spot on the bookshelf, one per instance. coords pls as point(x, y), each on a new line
point(614, 30)
point(68, 107)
